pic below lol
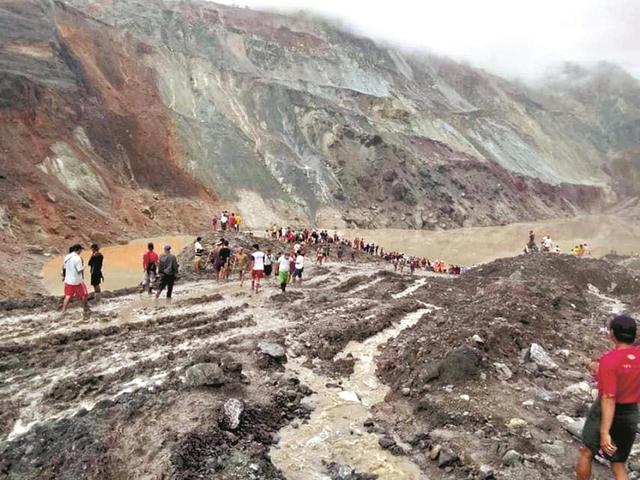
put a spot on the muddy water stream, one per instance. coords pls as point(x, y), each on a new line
point(335, 432)
point(122, 263)
point(468, 246)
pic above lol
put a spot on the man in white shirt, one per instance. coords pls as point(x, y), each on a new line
point(283, 270)
point(198, 251)
point(223, 221)
point(297, 273)
point(74, 286)
point(257, 269)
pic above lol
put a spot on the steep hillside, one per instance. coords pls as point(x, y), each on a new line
point(123, 117)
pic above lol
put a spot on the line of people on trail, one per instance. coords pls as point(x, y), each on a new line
point(226, 221)
point(547, 245)
point(225, 262)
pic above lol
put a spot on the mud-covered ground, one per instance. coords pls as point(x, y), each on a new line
point(200, 388)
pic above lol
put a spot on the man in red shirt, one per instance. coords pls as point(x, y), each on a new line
point(150, 267)
point(610, 429)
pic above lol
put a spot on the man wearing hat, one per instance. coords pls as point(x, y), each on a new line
point(168, 269)
point(610, 428)
point(73, 272)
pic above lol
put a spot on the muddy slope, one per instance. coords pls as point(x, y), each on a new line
point(202, 386)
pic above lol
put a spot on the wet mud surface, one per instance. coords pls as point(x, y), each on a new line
point(222, 383)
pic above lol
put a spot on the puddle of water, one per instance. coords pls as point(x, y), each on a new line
point(468, 246)
point(334, 432)
point(122, 263)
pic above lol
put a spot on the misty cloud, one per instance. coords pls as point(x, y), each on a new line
point(512, 38)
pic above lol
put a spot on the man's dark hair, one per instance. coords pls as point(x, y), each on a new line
point(225, 243)
point(75, 248)
point(623, 328)
point(95, 246)
point(256, 246)
point(198, 239)
point(150, 246)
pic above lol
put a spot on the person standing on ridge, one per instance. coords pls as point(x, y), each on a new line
point(198, 251)
point(610, 428)
point(257, 269)
point(224, 256)
point(95, 265)
point(73, 271)
point(150, 268)
point(168, 269)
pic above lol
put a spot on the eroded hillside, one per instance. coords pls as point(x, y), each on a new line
point(122, 118)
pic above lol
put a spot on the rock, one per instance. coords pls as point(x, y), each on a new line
point(406, 391)
point(386, 442)
point(516, 423)
point(447, 458)
point(580, 389)
point(486, 472)
point(541, 358)
point(146, 211)
point(204, 374)
point(546, 396)
point(457, 366)
point(233, 409)
point(504, 372)
point(528, 403)
point(51, 198)
point(349, 396)
point(273, 350)
point(477, 339)
point(465, 397)
point(556, 449)
point(71, 216)
point(574, 427)
point(511, 458)
point(435, 452)
point(35, 249)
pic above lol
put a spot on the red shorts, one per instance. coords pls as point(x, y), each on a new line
point(75, 291)
point(257, 274)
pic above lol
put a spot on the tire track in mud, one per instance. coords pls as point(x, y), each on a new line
point(123, 345)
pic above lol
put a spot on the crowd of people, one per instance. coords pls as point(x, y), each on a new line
point(226, 221)
point(547, 245)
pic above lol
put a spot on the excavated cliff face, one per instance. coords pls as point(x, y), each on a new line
point(123, 117)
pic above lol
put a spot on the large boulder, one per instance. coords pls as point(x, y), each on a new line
point(541, 358)
point(204, 374)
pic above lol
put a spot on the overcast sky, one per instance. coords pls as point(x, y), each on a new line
point(515, 38)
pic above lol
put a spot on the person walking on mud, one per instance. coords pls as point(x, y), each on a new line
point(150, 268)
point(95, 265)
point(610, 429)
point(73, 274)
point(198, 252)
point(257, 268)
point(240, 261)
point(168, 269)
point(283, 270)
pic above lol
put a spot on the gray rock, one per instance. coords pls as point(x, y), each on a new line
point(504, 372)
point(574, 427)
point(447, 458)
point(386, 442)
point(273, 350)
point(541, 358)
point(512, 458)
point(486, 472)
point(204, 374)
point(233, 409)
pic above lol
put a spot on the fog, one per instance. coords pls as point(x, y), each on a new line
point(512, 38)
